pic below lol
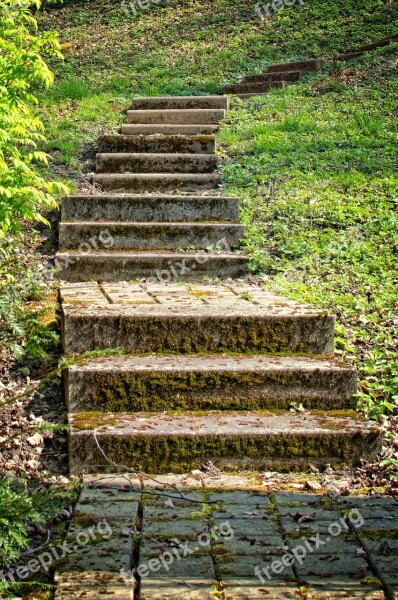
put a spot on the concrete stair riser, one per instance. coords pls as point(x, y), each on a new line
point(150, 236)
point(160, 443)
point(155, 384)
point(160, 331)
point(156, 163)
point(168, 130)
point(189, 144)
point(272, 77)
point(305, 65)
point(160, 266)
point(180, 102)
point(198, 116)
point(156, 182)
point(253, 88)
point(146, 208)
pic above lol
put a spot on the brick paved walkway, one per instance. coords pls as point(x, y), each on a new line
point(235, 542)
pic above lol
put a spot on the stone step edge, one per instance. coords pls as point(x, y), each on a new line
point(140, 197)
point(218, 99)
point(234, 439)
point(146, 224)
point(115, 266)
point(204, 382)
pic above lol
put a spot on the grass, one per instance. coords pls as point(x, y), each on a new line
point(180, 47)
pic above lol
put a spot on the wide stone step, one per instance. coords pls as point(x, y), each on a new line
point(178, 102)
point(253, 88)
point(271, 77)
point(164, 208)
point(187, 319)
point(156, 182)
point(198, 116)
point(149, 236)
point(156, 266)
point(190, 144)
point(302, 65)
point(157, 383)
point(156, 163)
point(177, 443)
point(168, 129)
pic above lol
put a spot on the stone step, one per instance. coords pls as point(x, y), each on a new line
point(167, 129)
point(188, 144)
point(157, 383)
point(157, 266)
point(156, 182)
point(197, 116)
point(166, 443)
point(160, 208)
point(253, 88)
point(149, 236)
point(248, 96)
point(271, 77)
point(197, 318)
point(156, 163)
point(302, 65)
point(178, 102)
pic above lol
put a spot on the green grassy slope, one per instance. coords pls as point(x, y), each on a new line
point(183, 47)
point(314, 163)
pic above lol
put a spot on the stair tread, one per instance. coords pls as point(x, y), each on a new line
point(150, 253)
point(168, 224)
point(191, 300)
point(189, 363)
point(165, 155)
point(168, 129)
point(219, 424)
point(132, 197)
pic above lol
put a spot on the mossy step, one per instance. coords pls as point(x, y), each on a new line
point(253, 88)
point(163, 443)
point(270, 77)
point(178, 102)
point(150, 236)
point(191, 144)
point(197, 116)
point(163, 266)
point(124, 162)
point(144, 208)
point(156, 182)
point(167, 129)
point(303, 65)
point(190, 318)
point(157, 383)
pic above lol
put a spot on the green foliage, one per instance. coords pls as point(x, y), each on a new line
point(26, 312)
point(17, 508)
point(24, 192)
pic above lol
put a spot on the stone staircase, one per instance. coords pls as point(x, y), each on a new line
point(276, 76)
point(280, 75)
point(220, 371)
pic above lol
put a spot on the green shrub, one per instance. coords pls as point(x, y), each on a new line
point(24, 192)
